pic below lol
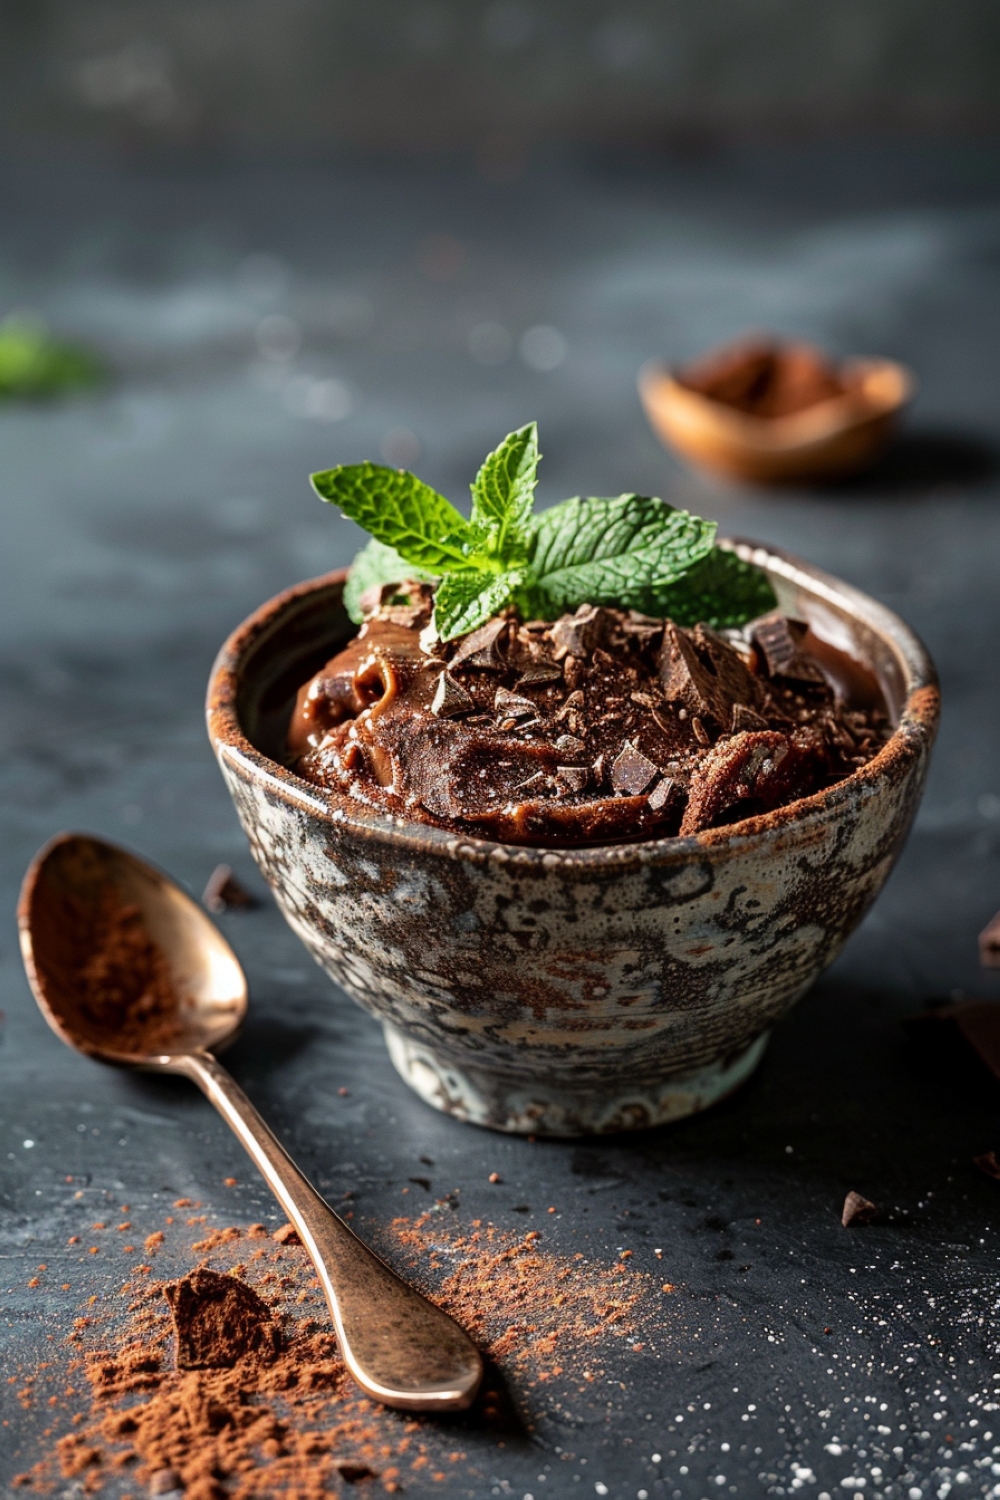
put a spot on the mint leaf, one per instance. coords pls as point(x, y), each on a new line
point(464, 601)
point(377, 564)
point(625, 551)
point(402, 512)
point(32, 363)
point(721, 591)
point(504, 491)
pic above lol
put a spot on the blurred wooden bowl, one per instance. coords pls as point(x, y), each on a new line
point(837, 436)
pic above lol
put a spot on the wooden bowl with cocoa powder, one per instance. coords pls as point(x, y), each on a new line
point(776, 414)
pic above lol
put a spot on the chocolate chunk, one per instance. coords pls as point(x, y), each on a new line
point(513, 706)
point(988, 1164)
point(989, 944)
point(779, 641)
point(632, 771)
point(450, 699)
point(224, 891)
point(484, 647)
point(218, 1321)
point(857, 1210)
point(643, 629)
point(539, 673)
point(569, 744)
point(759, 770)
point(570, 779)
point(287, 1235)
point(704, 676)
point(577, 635)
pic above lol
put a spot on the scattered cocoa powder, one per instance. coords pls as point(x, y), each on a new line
point(284, 1419)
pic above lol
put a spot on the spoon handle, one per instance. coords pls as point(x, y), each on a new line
point(400, 1348)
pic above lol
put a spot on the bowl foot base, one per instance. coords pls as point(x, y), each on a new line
point(530, 1108)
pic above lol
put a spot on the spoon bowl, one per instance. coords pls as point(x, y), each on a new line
point(126, 968)
point(59, 911)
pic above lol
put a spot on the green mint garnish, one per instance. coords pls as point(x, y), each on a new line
point(32, 363)
point(634, 551)
point(627, 552)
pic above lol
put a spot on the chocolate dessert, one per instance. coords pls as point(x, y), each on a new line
point(603, 725)
point(601, 671)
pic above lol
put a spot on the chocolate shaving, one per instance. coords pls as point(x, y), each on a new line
point(664, 793)
point(745, 719)
point(857, 1210)
point(513, 706)
point(224, 891)
point(570, 744)
point(989, 944)
point(450, 699)
point(632, 771)
point(484, 647)
point(540, 672)
point(218, 1320)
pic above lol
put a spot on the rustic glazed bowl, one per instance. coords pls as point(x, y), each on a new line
point(835, 437)
point(586, 990)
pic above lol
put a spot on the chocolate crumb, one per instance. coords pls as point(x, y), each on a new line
point(287, 1234)
point(353, 1472)
point(218, 1321)
point(989, 944)
point(857, 1210)
point(224, 891)
point(988, 1164)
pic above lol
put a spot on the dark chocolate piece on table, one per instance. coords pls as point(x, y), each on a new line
point(989, 944)
point(857, 1210)
point(224, 891)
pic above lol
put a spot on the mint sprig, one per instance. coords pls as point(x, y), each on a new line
point(632, 551)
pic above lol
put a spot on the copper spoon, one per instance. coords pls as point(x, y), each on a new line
point(400, 1348)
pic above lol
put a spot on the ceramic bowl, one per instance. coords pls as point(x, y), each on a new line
point(833, 438)
point(579, 991)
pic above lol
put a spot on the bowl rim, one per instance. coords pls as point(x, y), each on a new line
point(911, 739)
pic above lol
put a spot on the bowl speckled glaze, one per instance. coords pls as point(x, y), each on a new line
point(579, 991)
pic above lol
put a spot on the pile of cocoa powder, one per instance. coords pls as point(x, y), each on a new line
point(227, 1381)
point(765, 378)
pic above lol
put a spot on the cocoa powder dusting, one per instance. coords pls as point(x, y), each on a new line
point(268, 1408)
point(115, 979)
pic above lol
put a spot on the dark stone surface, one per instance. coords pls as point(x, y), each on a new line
point(141, 523)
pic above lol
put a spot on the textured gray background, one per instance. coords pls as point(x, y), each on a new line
point(264, 322)
point(491, 80)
